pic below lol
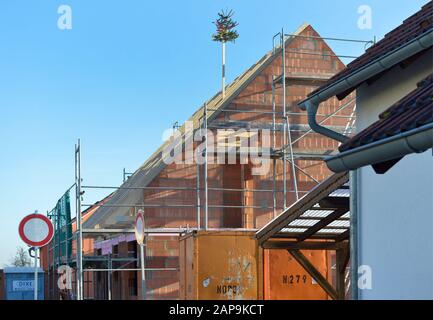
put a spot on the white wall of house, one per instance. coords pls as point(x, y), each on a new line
point(395, 210)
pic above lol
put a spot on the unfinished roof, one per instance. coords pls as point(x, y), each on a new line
point(155, 164)
point(321, 214)
point(418, 24)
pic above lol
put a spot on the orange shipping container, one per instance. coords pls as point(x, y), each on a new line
point(229, 265)
point(220, 265)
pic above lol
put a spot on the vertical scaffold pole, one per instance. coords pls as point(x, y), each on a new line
point(287, 133)
point(274, 162)
point(198, 198)
point(283, 79)
point(79, 232)
point(109, 278)
point(206, 191)
point(292, 160)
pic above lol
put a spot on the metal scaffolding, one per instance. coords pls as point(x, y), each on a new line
point(80, 233)
point(284, 153)
point(288, 142)
point(60, 249)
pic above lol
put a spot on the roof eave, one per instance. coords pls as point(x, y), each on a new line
point(414, 141)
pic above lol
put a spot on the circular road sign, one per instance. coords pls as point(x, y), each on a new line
point(36, 230)
point(139, 227)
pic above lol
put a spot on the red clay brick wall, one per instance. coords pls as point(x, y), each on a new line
point(257, 95)
point(162, 252)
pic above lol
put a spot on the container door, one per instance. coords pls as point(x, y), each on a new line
point(286, 279)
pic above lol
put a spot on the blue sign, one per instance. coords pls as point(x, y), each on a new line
point(23, 285)
point(20, 283)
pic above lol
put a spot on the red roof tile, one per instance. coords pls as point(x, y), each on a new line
point(412, 27)
point(413, 111)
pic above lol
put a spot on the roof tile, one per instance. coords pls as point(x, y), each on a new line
point(411, 112)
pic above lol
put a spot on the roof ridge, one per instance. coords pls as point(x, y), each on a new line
point(217, 97)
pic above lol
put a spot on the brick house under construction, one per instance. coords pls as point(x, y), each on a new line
point(173, 196)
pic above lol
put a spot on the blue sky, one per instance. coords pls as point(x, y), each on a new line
point(126, 72)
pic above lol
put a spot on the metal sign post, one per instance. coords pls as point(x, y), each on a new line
point(36, 230)
point(140, 237)
point(143, 273)
point(36, 273)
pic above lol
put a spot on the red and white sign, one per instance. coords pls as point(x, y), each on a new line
point(139, 227)
point(36, 230)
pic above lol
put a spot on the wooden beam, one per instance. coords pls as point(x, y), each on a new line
point(290, 80)
point(322, 223)
point(344, 236)
point(335, 202)
point(341, 264)
point(318, 219)
point(309, 267)
point(294, 236)
point(346, 256)
point(310, 245)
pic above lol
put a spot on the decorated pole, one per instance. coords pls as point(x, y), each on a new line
point(223, 84)
point(225, 33)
